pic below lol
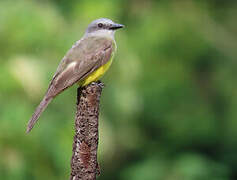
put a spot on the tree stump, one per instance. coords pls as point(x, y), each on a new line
point(84, 165)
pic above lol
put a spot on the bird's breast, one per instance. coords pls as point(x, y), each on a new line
point(97, 74)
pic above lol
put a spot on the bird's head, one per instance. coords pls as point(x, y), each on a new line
point(103, 24)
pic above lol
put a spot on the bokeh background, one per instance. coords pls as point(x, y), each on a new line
point(169, 108)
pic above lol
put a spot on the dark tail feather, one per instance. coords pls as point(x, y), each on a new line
point(43, 104)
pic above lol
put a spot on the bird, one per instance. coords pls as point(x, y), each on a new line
point(86, 62)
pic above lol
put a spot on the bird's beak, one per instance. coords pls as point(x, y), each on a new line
point(116, 26)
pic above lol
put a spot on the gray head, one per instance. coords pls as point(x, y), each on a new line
point(103, 24)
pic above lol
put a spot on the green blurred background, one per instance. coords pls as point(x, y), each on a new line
point(169, 108)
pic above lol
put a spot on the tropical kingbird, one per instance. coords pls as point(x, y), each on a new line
point(84, 63)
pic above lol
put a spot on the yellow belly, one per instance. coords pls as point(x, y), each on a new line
point(96, 75)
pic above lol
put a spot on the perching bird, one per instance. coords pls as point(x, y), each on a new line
point(84, 63)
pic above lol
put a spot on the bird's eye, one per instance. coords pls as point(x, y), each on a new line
point(100, 25)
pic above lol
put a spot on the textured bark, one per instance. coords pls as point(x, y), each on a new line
point(84, 164)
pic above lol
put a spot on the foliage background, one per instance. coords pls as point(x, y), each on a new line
point(169, 108)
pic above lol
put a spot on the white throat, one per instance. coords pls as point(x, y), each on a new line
point(102, 32)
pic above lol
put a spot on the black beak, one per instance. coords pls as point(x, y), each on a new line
point(116, 26)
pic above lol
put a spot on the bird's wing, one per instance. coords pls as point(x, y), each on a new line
point(80, 61)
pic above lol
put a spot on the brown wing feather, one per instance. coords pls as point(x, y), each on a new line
point(80, 70)
point(67, 76)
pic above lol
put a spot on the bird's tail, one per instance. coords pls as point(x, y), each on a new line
point(43, 104)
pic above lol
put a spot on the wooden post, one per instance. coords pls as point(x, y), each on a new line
point(84, 165)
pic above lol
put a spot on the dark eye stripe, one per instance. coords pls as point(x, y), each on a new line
point(100, 25)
